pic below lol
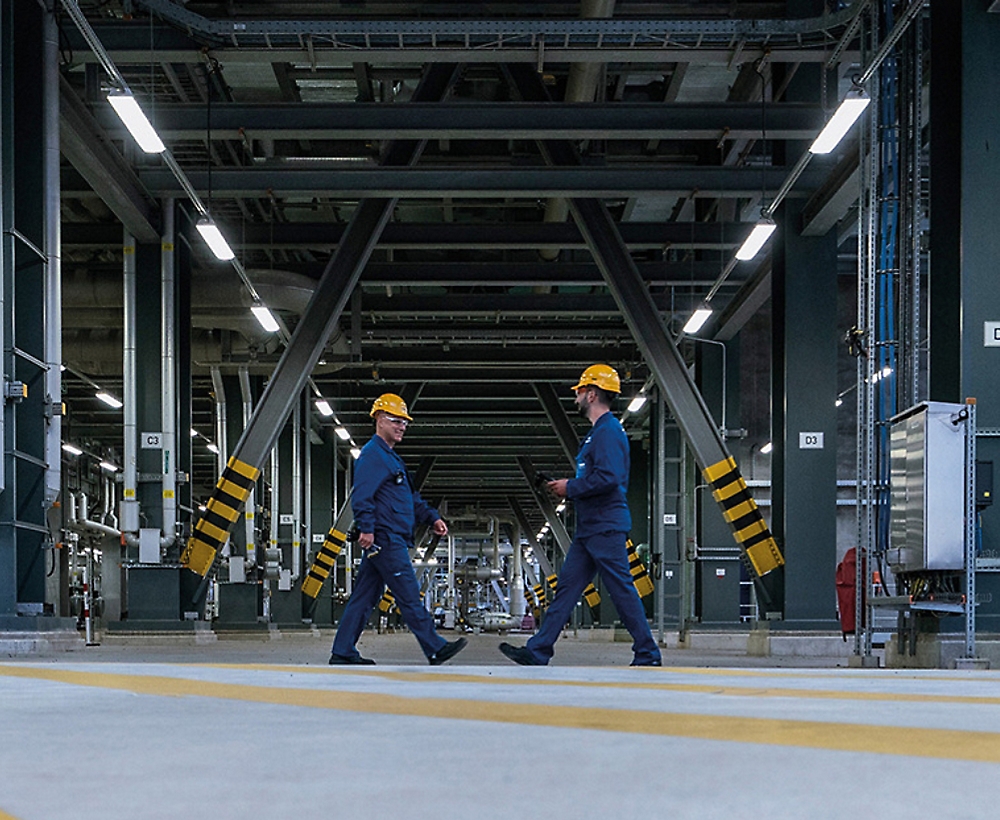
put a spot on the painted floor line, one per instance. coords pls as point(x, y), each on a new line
point(690, 688)
point(947, 744)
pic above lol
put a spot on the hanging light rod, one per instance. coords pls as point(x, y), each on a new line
point(122, 90)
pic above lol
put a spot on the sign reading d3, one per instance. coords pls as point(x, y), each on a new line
point(810, 441)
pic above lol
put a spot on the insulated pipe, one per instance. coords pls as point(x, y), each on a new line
point(221, 431)
point(495, 526)
point(250, 507)
point(168, 372)
point(275, 514)
point(130, 502)
point(81, 521)
point(88, 621)
point(52, 321)
point(109, 516)
point(581, 86)
point(297, 489)
point(516, 586)
point(307, 466)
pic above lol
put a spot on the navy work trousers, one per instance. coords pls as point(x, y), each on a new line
point(390, 567)
point(605, 553)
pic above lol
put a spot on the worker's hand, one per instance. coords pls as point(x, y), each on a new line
point(558, 487)
point(366, 539)
point(439, 527)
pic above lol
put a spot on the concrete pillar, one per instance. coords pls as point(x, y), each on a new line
point(803, 418)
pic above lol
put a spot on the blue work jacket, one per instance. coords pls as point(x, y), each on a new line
point(598, 490)
point(383, 500)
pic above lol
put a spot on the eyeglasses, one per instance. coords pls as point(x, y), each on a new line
point(395, 420)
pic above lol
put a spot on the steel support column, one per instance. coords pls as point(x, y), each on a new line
point(8, 553)
point(964, 351)
point(669, 369)
point(303, 351)
point(24, 533)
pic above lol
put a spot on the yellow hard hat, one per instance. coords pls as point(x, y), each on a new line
point(391, 404)
point(600, 375)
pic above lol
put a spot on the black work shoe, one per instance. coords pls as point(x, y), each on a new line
point(519, 654)
point(657, 662)
point(447, 652)
point(357, 659)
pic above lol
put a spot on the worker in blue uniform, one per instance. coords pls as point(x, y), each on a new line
point(386, 507)
point(602, 525)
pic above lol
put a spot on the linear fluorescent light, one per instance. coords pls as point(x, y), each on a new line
point(636, 404)
point(847, 113)
point(107, 465)
point(212, 447)
point(324, 408)
point(127, 108)
point(214, 239)
point(356, 452)
point(766, 448)
point(72, 449)
point(194, 433)
point(266, 319)
point(342, 433)
point(755, 241)
point(696, 322)
point(108, 399)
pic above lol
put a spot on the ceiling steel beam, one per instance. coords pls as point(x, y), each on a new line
point(85, 144)
point(283, 180)
point(479, 120)
point(422, 235)
point(136, 54)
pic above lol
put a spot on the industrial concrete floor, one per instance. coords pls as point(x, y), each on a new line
point(253, 727)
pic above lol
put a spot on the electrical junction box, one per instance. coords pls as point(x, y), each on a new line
point(927, 488)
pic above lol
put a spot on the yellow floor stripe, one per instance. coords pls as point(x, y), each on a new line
point(907, 741)
point(699, 689)
point(5, 816)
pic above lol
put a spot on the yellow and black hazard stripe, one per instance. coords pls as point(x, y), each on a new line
point(640, 577)
point(741, 511)
point(323, 562)
point(591, 596)
point(552, 580)
point(387, 603)
point(222, 511)
point(539, 592)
